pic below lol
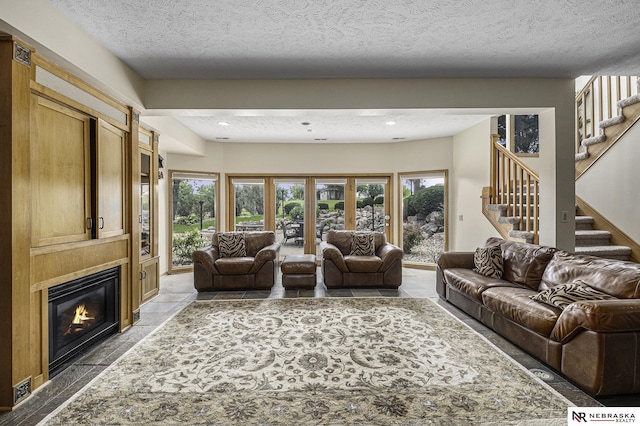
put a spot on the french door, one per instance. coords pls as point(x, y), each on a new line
point(302, 209)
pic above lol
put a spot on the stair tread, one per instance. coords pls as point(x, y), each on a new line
point(604, 250)
point(592, 232)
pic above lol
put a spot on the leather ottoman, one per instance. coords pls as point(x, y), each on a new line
point(298, 271)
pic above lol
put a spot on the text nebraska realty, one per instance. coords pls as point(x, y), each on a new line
point(603, 417)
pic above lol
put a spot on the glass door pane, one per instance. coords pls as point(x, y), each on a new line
point(423, 216)
point(145, 203)
point(329, 208)
point(249, 204)
point(371, 211)
point(193, 215)
point(290, 218)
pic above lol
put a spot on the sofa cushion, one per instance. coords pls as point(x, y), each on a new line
point(234, 265)
point(363, 263)
point(231, 244)
point(562, 296)
point(471, 283)
point(615, 277)
point(516, 305)
point(523, 263)
point(488, 261)
point(362, 244)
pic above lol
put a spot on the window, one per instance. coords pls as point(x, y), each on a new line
point(519, 133)
point(424, 215)
point(193, 206)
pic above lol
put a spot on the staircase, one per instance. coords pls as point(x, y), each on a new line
point(589, 240)
point(594, 104)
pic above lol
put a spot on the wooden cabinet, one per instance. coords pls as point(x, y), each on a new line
point(60, 174)
point(149, 279)
point(110, 178)
point(78, 176)
point(147, 209)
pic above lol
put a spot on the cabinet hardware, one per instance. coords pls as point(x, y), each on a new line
point(101, 223)
point(89, 223)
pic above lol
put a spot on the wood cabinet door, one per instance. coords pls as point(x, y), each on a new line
point(110, 176)
point(60, 174)
point(149, 279)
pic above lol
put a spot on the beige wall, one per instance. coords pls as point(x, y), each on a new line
point(471, 163)
point(611, 186)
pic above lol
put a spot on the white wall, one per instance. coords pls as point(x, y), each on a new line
point(611, 184)
point(471, 163)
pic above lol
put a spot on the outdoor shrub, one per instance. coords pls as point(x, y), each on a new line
point(297, 212)
point(411, 236)
point(426, 201)
point(323, 206)
point(185, 244)
point(192, 219)
point(339, 205)
point(367, 202)
point(288, 207)
point(360, 204)
point(379, 200)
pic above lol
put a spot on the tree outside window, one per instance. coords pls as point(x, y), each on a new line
point(519, 133)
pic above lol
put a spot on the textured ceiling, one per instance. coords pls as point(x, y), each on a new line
point(364, 38)
point(205, 39)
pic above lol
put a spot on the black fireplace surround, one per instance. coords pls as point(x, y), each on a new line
point(82, 312)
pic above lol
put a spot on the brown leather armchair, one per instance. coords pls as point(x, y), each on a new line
point(342, 269)
point(257, 270)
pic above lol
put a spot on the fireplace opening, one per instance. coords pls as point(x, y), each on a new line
point(82, 313)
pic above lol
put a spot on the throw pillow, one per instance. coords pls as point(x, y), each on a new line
point(363, 245)
point(488, 261)
point(231, 244)
point(563, 295)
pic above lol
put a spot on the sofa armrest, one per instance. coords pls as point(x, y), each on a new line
point(450, 259)
point(389, 253)
point(455, 259)
point(332, 253)
point(600, 316)
point(264, 255)
point(207, 258)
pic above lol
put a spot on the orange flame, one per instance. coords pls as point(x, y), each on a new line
point(81, 315)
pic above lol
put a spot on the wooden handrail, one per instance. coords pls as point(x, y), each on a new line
point(516, 186)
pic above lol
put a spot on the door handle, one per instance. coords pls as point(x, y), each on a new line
point(101, 223)
point(89, 223)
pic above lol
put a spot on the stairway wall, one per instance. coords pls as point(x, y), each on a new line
point(470, 173)
point(611, 184)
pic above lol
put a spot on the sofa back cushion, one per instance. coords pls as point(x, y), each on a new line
point(615, 277)
point(343, 240)
point(254, 241)
point(523, 263)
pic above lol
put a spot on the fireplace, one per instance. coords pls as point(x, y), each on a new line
point(82, 312)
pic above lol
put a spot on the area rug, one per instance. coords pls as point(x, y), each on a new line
point(348, 361)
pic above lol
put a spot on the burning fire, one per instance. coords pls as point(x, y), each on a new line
point(79, 318)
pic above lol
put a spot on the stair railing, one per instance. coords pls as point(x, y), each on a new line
point(597, 102)
point(515, 185)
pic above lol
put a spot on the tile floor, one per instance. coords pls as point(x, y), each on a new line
point(177, 290)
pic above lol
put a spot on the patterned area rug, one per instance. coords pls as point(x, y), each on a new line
point(351, 361)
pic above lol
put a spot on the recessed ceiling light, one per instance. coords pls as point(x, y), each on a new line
point(305, 123)
point(390, 123)
point(223, 123)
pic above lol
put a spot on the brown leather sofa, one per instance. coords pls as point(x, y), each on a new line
point(257, 270)
point(595, 344)
point(341, 269)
